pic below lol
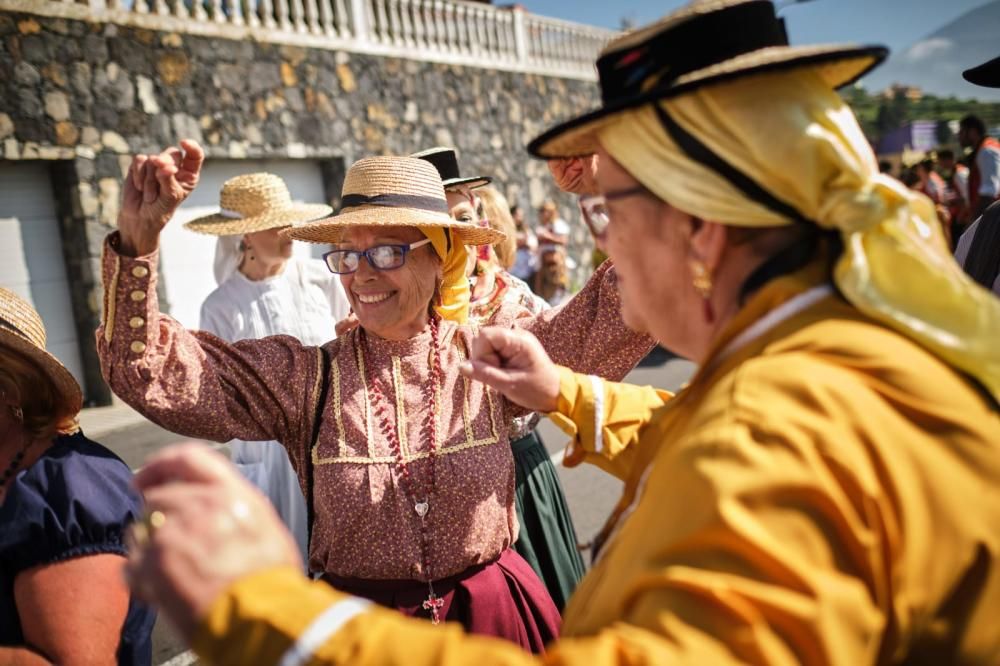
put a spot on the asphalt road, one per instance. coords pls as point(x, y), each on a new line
point(590, 492)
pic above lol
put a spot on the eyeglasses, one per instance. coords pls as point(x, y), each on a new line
point(595, 208)
point(380, 257)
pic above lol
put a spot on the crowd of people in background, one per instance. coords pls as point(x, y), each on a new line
point(543, 259)
point(961, 187)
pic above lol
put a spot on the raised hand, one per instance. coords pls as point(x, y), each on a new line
point(155, 187)
point(514, 363)
point(206, 527)
point(575, 175)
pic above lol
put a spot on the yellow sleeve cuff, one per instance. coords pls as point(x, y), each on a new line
point(573, 399)
point(260, 616)
point(603, 419)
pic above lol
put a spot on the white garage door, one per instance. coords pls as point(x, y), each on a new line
point(187, 258)
point(31, 256)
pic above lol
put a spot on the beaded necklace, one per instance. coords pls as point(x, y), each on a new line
point(418, 497)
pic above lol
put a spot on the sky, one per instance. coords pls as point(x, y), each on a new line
point(894, 23)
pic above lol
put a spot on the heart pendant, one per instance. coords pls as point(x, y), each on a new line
point(421, 508)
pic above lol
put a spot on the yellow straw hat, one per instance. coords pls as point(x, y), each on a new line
point(22, 330)
point(255, 202)
point(393, 192)
point(704, 42)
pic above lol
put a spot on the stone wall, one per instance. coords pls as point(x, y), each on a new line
point(89, 95)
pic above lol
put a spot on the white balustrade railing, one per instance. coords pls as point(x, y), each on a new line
point(442, 26)
point(453, 31)
point(561, 44)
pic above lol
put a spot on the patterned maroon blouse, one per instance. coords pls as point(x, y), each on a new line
point(365, 526)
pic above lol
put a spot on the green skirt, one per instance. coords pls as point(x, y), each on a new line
point(547, 539)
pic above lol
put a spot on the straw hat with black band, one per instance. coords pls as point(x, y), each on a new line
point(22, 331)
point(255, 202)
point(713, 112)
point(392, 191)
point(406, 192)
point(445, 160)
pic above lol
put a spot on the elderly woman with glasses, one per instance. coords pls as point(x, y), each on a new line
point(406, 465)
point(824, 490)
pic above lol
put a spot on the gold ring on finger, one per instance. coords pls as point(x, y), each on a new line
point(153, 521)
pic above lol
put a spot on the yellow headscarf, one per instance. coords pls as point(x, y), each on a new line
point(797, 139)
point(455, 293)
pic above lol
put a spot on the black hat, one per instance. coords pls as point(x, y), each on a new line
point(445, 160)
point(987, 74)
point(704, 42)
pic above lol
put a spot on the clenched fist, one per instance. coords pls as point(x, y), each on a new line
point(514, 363)
point(155, 187)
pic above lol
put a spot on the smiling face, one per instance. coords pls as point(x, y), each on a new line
point(391, 304)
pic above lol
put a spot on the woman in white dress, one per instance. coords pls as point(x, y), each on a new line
point(263, 290)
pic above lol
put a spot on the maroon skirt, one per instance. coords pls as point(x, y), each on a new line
point(504, 599)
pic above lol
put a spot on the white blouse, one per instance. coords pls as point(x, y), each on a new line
point(305, 301)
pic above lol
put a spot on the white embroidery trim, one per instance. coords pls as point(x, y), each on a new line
point(598, 387)
point(322, 628)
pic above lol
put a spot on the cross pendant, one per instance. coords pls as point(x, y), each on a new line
point(434, 604)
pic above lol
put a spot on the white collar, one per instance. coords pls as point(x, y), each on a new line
point(779, 314)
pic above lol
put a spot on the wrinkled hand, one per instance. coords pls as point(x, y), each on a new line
point(217, 528)
point(155, 187)
point(575, 175)
point(514, 363)
point(348, 323)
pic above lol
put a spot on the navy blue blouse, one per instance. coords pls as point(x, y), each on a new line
point(76, 500)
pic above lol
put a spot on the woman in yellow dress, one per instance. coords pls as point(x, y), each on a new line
point(824, 489)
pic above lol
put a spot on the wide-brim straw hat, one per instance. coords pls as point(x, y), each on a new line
point(986, 75)
point(703, 43)
point(255, 202)
point(445, 160)
point(22, 331)
point(392, 191)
